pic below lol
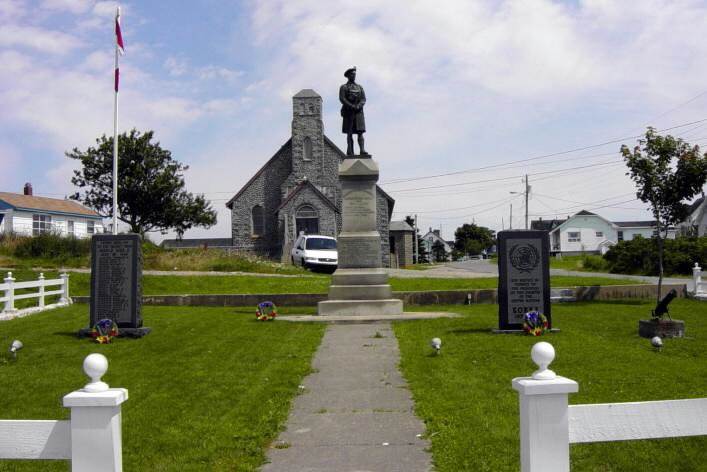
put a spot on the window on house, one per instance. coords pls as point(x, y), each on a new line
point(70, 228)
point(620, 235)
point(307, 149)
point(41, 224)
point(257, 223)
point(90, 227)
point(574, 236)
point(600, 234)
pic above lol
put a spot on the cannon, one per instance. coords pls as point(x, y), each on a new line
point(661, 309)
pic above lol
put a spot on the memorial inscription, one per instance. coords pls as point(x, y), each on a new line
point(116, 273)
point(524, 277)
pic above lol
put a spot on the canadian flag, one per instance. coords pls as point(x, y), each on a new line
point(119, 47)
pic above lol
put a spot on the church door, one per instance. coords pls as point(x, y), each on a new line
point(307, 220)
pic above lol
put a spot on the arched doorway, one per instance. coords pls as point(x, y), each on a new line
point(307, 220)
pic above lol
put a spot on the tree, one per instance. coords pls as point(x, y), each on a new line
point(666, 171)
point(421, 247)
point(151, 195)
point(470, 239)
point(439, 253)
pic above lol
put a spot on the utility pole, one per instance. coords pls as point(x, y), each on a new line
point(527, 191)
point(510, 220)
point(417, 254)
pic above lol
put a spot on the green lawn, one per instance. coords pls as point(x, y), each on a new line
point(79, 283)
point(465, 395)
point(209, 387)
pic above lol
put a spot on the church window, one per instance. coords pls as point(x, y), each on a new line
point(257, 223)
point(307, 149)
point(307, 220)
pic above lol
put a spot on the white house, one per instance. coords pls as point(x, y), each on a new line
point(431, 238)
point(696, 222)
point(586, 232)
point(28, 215)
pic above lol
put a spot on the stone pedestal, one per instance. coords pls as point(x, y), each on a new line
point(360, 285)
point(662, 328)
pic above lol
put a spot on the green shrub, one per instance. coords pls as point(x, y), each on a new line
point(640, 256)
point(52, 246)
point(594, 263)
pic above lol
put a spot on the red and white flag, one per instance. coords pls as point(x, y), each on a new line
point(119, 47)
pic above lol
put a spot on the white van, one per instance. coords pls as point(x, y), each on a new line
point(315, 251)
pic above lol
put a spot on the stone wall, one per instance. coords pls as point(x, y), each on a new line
point(263, 190)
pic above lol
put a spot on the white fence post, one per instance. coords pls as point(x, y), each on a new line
point(9, 294)
point(697, 278)
point(544, 425)
point(65, 296)
point(41, 290)
point(96, 440)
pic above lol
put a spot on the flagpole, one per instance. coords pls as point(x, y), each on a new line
point(115, 137)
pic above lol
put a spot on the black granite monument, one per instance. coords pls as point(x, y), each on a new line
point(523, 277)
point(116, 283)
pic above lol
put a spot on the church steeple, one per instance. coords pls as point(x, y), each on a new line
point(307, 134)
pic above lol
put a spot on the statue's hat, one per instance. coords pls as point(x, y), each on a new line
point(348, 71)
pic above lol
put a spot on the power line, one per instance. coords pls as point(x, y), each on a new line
point(569, 151)
point(503, 178)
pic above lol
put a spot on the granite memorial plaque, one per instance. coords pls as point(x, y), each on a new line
point(116, 282)
point(523, 277)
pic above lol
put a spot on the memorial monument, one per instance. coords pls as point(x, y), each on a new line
point(360, 284)
point(523, 277)
point(116, 283)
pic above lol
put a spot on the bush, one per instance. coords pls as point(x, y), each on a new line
point(52, 246)
point(640, 256)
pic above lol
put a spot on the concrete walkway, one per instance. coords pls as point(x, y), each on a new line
point(355, 413)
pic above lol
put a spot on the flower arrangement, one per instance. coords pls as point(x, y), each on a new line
point(535, 323)
point(104, 331)
point(266, 311)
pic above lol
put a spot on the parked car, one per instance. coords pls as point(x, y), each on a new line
point(314, 251)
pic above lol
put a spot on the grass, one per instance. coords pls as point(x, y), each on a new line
point(465, 397)
point(79, 283)
point(209, 388)
point(586, 263)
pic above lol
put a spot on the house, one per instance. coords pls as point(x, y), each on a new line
point(588, 233)
point(434, 236)
point(696, 222)
point(298, 190)
point(26, 214)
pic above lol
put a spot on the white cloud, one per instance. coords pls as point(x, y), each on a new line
point(39, 39)
point(72, 6)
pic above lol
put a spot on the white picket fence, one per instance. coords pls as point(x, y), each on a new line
point(700, 283)
point(548, 425)
point(91, 439)
point(10, 286)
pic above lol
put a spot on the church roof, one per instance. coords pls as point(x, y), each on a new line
point(307, 93)
point(301, 187)
point(229, 205)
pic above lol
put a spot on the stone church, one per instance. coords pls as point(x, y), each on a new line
point(297, 190)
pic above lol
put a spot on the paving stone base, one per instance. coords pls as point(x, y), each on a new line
point(662, 328)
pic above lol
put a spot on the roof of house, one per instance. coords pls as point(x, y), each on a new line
point(400, 226)
point(634, 224)
point(695, 205)
point(585, 213)
point(546, 225)
point(50, 205)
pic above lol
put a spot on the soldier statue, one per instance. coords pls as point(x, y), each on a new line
point(352, 98)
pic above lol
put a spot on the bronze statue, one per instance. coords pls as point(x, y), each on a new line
point(352, 98)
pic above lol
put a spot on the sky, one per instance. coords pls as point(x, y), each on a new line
point(464, 97)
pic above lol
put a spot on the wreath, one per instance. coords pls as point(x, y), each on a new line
point(535, 323)
point(266, 311)
point(104, 331)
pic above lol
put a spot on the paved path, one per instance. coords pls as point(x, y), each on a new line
point(355, 413)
